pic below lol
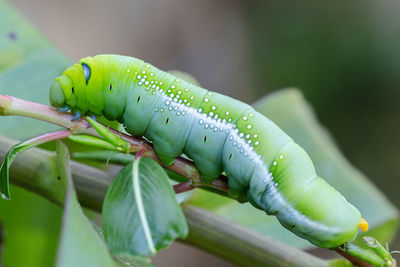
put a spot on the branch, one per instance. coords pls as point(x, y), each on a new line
point(12, 106)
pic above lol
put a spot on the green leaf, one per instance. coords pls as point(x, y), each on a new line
point(140, 212)
point(289, 110)
point(80, 244)
point(109, 136)
point(92, 141)
point(18, 148)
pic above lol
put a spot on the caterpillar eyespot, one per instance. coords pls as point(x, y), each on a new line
point(263, 164)
point(86, 71)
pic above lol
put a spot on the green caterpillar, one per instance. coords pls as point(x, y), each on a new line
point(263, 164)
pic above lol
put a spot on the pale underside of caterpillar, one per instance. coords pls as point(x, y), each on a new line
point(263, 164)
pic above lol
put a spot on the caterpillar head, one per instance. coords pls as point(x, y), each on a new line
point(78, 88)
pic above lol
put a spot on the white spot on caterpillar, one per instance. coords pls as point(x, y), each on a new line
point(255, 135)
point(146, 83)
point(241, 134)
point(176, 108)
point(201, 122)
point(209, 93)
point(249, 126)
point(206, 125)
point(229, 120)
point(179, 92)
point(161, 110)
point(231, 137)
point(184, 100)
point(160, 83)
point(168, 91)
point(128, 70)
point(216, 116)
point(274, 163)
point(245, 118)
point(156, 109)
point(173, 86)
point(180, 101)
point(206, 99)
point(247, 136)
point(170, 108)
point(215, 129)
point(213, 107)
point(151, 74)
point(142, 80)
point(167, 102)
point(251, 114)
point(188, 104)
point(192, 97)
point(211, 113)
point(281, 156)
point(140, 83)
point(249, 142)
point(147, 66)
point(186, 90)
point(227, 113)
point(178, 113)
point(171, 95)
point(234, 143)
point(139, 76)
point(200, 110)
point(256, 143)
point(144, 72)
point(175, 100)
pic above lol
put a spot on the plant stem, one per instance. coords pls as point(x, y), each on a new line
point(36, 171)
point(10, 105)
point(183, 187)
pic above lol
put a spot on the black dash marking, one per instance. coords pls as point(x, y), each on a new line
point(293, 226)
point(230, 156)
point(59, 178)
point(166, 122)
point(205, 139)
point(138, 99)
point(110, 87)
point(73, 91)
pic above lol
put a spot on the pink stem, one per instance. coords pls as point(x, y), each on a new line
point(183, 187)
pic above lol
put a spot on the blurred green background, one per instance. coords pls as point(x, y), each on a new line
point(343, 55)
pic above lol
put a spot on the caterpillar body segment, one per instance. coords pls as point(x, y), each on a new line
point(263, 164)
